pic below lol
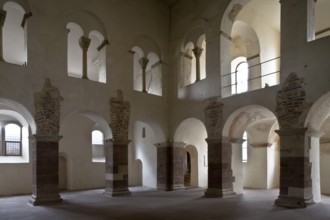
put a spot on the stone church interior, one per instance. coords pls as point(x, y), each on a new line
point(165, 109)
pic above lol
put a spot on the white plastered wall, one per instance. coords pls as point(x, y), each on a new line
point(145, 151)
point(193, 132)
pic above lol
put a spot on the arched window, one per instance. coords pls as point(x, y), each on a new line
point(245, 148)
point(14, 34)
point(137, 68)
point(12, 143)
point(96, 58)
point(97, 146)
point(239, 75)
point(201, 43)
point(188, 65)
point(74, 50)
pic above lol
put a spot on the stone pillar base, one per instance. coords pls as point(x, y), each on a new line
point(112, 193)
point(45, 200)
point(219, 193)
point(170, 187)
point(290, 202)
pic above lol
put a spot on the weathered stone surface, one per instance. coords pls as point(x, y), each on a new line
point(291, 102)
point(214, 119)
point(119, 114)
point(47, 110)
point(45, 146)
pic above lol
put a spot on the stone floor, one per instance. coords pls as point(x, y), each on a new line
point(148, 204)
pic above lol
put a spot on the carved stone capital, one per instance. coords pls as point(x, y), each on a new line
point(84, 43)
point(197, 52)
point(144, 62)
point(3, 14)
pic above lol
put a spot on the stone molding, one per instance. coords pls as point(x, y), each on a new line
point(46, 138)
point(170, 144)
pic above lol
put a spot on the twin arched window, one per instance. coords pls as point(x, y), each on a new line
point(193, 64)
point(86, 55)
point(147, 72)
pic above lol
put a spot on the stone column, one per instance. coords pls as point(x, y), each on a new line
point(170, 166)
point(220, 175)
point(116, 170)
point(116, 158)
point(44, 152)
point(295, 166)
point(144, 62)
point(84, 43)
point(45, 146)
point(198, 52)
point(3, 14)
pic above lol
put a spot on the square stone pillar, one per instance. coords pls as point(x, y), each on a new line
point(116, 168)
point(220, 174)
point(295, 167)
point(45, 170)
point(170, 162)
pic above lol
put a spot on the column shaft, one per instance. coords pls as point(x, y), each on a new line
point(84, 43)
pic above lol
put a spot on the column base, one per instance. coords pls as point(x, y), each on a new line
point(171, 188)
point(290, 202)
point(219, 193)
point(45, 200)
point(112, 193)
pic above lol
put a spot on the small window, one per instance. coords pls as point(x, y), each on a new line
point(97, 146)
point(245, 148)
point(12, 140)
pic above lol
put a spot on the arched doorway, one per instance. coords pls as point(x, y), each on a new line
point(318, 124)
point(250, 131)
point(191, 166)
point(193, 132)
